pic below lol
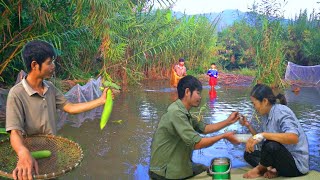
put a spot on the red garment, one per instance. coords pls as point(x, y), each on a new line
point(212, 95)
point(213, 81)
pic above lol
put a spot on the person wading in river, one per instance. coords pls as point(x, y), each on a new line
point(178, 71)
point(213, 76)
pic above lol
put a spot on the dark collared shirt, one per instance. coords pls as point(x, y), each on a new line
point(173, 142)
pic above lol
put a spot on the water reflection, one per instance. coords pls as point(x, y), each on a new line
point(147, 111)
point(212, 97)
point(122, 151)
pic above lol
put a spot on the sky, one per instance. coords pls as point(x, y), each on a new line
point(205, 6)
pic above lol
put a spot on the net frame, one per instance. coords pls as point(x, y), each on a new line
point(60, 147)
point(303, 75)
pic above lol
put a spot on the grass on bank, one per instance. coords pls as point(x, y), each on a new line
point(244, 71)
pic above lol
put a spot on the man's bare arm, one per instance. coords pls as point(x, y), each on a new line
point(26, 163)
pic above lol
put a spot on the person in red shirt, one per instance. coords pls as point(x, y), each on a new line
point(213, 74)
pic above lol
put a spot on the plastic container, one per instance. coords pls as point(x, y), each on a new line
point(220, 168)
point(243, 137)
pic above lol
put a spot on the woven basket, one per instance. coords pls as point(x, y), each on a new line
point(66, 155)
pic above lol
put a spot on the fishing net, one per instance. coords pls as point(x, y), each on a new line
point(303, 75)
point(77, 94)
point(3, 99)
point(65, 156)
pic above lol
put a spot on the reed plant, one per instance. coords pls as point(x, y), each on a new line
point(303, 39)
point(245, 72)
point(270, 54)
point(23, 21)
point(130, 40)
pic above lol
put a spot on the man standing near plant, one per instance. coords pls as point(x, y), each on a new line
point(177, 135)
point(178, 72)
point(32, 104)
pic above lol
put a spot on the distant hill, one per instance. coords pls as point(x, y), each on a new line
point(228, 17)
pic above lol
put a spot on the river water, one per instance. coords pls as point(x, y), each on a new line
point(122, 149)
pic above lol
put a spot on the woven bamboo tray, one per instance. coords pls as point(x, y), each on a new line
point(66, 155)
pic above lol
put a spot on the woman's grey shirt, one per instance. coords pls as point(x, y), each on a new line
point(281, 119)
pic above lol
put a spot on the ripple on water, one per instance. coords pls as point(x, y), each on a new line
point(125, 148)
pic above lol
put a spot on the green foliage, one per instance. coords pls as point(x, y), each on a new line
point(198, 70)
point(50, 20)
point(246, 71)
point(270, 56)
point(192, 72)
point(265, 42)
point(108, 82)
point(198, 114)
point(125, 38)
point(3, 131)
point(111, 85)
point(303, 39)
point(238, 42)
point(197, 41)
point(130, 40)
